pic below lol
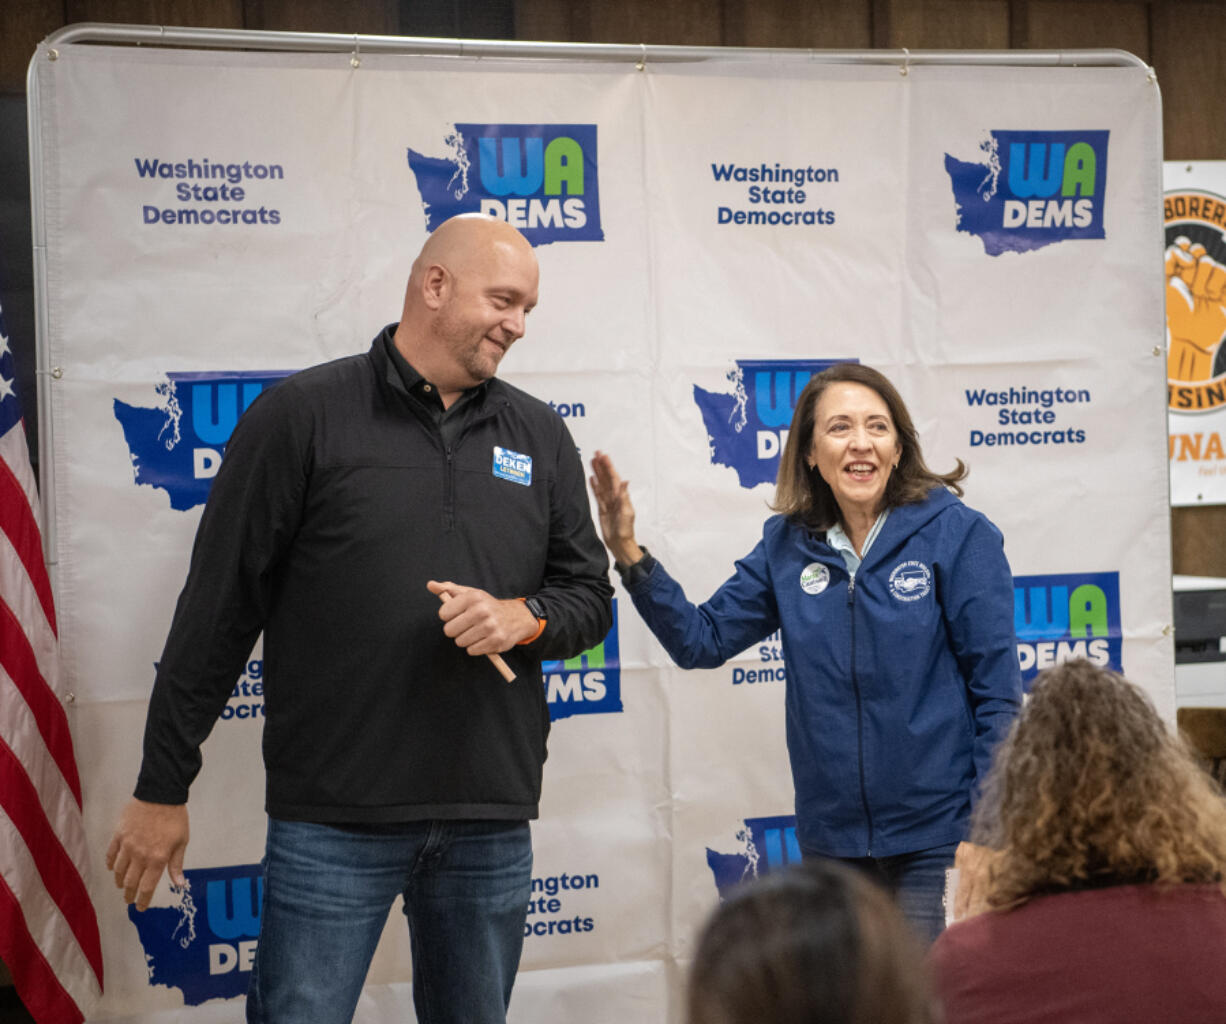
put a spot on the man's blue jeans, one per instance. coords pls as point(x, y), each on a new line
point(327, 893)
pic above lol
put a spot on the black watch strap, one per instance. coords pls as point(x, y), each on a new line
point(634, 574)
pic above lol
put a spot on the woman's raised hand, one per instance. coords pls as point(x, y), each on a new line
point(616, 510)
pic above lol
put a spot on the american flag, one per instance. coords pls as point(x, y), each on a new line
point(48, 928)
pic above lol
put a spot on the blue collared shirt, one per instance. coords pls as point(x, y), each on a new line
point(838, 539)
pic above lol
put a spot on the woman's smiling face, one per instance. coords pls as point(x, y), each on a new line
point(855, 446)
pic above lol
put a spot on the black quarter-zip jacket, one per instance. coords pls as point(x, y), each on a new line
point(336, 501)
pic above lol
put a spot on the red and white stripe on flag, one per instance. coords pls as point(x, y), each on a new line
point(48, 928)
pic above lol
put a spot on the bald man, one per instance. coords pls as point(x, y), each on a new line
point(386, 520)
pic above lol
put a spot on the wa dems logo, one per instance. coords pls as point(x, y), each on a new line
point(767, 844)
point(540, 178)
point(748, 428)
point(1032, 190)
point(205, 945)
point(1066, 616)
point(587, 684)
point(178, 445)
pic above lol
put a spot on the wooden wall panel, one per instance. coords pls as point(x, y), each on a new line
point(1205, 730)
point(1198, 540)
point(369, 17)
point(25, 26)
point(675, 23)
point(455, 19)
point(558, 21)
point(1189, 40)
point(193, 13)
point(1060, 25)
point(819, 24)
point(941, 24)
point(1188, 43)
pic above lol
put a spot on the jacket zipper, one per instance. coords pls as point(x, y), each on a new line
point(449, 493)
point(855, 682)
point(449, 451)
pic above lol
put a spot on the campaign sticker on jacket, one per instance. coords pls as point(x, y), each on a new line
point(814, 578)
point(513, 466)
point(909, 581)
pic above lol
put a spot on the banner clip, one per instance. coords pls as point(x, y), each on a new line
point(906, 62)
point(642, 61)
point(355, 60)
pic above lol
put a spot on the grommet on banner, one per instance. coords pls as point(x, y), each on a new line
point(642, 62)
point(53, 55)
point(355, 60)
point(55, 373)
point(70, 698)
point(1157, 350)
point(906, 62)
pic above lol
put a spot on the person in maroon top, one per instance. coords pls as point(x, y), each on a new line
point(1105, 902)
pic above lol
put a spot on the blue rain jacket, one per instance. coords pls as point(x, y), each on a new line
point(899, 683)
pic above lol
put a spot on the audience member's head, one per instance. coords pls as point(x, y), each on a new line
point(814, 944)
point(1091, 788)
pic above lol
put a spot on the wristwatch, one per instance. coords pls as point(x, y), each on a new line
point(538, 612)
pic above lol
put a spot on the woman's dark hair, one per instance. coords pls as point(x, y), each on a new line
point(818, 943)
point(803, 494)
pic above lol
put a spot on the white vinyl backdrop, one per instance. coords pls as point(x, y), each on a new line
point(630, 329)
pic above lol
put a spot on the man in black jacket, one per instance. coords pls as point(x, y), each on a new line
point(359, 503)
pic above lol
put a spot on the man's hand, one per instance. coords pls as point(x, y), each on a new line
point(616, 510)
point(1195, 316)
point(149, 838)
point(480, 622)
point(973, 863)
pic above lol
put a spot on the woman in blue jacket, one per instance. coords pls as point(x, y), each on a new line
point(895, 606)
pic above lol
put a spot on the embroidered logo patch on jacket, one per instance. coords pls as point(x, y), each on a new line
point(909, 581)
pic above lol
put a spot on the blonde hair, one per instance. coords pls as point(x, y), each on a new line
point(1090, 788)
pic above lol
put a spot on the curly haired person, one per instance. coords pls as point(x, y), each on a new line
point(1105, 902)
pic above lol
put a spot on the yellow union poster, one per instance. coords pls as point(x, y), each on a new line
point(1194, 217)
